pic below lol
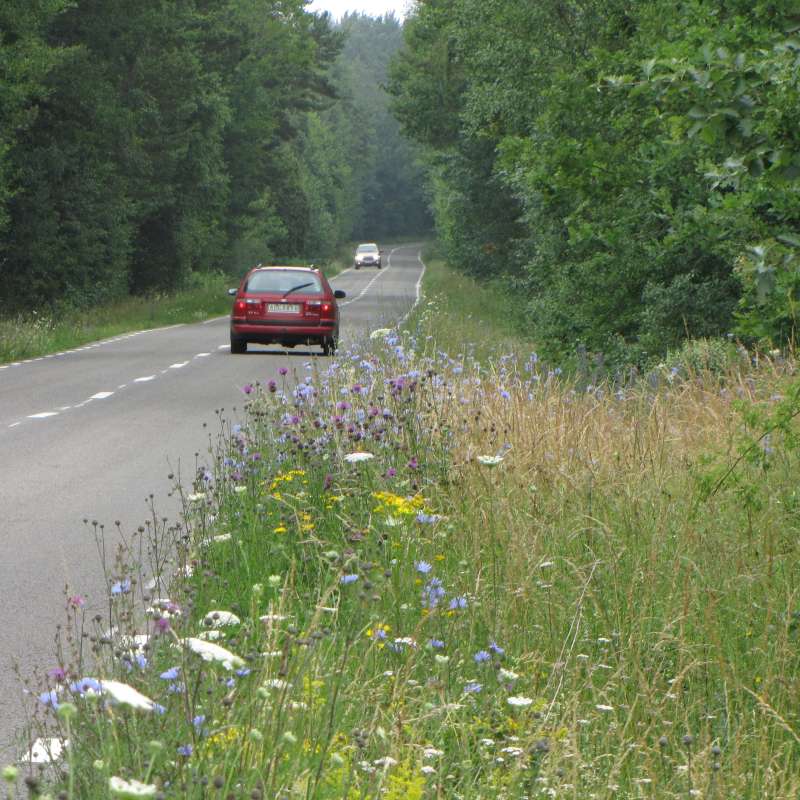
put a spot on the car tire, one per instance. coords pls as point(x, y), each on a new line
point(357, 266)
point(238, 346)
point(329, 344)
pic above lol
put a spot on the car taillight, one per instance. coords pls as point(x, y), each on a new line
point(326, 310)
point(239, 307)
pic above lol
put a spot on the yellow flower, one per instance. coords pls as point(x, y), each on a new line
point(280, 529)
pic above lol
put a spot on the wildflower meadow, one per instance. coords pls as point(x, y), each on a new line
point(421, 571)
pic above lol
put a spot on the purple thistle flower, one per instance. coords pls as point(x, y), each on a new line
point(413, 463)
point(282, 371)
point(162, 625)
point(391, 472)
point(57, 673)
point(247, 388)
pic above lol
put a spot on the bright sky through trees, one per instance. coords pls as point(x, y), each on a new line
point(375, 8)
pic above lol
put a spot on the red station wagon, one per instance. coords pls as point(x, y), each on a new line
point(286, 306)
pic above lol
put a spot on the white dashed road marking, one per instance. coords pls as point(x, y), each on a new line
point(178, 366)
point(43, 414)
point(202, 355)
point(144, 379)
point(101, 395)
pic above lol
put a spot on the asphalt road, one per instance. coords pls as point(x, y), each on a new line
point(92, 432)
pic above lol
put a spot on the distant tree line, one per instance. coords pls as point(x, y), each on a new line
point(141, 142)
point(631, 168)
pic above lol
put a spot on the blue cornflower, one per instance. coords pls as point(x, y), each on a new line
point(481, 656)
point(141, 661)
point(348, 579)
point(50, 699)
point(473, 687)
point(243, 672)
point(121, 587)
point(432, 593)
point(458, 602)
point(423, 567)
point(504, 394)
point(171, 674)
point(427, 519)
point(495, 648)
point(185, 750)
point(198, 721)
point(85, 686)
point(230, 683)
point(436, 644)
point(176, 688)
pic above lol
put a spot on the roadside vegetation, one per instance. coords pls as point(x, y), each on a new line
point(423, 570)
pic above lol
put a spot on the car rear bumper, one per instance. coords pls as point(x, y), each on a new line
point(298, 332)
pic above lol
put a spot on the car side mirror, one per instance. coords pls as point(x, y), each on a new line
point(339, 294)
point(232, 292)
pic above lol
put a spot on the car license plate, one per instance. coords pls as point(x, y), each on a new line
point(283, 308)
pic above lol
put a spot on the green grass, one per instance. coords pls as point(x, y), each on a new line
point(610, 609)
point(485, 317)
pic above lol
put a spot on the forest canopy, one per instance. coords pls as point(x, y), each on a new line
point(630, 168)
point(143, 142)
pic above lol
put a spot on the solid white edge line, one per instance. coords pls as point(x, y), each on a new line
point(417, 288)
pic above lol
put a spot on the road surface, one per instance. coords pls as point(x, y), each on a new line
point(92, 432)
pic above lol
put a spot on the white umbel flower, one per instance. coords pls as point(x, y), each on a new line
point(489, 461)
point(119, 787)
point(213, 652)
point(355, 458)
point(126, 695)
point(519, 702)
point(45, 751)
point(218, 619)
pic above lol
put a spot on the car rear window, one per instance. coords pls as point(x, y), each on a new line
point(367, 248)
point(284, 280)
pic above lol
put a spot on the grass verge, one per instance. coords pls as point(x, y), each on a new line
point(426, 573)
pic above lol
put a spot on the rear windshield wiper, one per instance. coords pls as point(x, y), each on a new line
point(299, 286)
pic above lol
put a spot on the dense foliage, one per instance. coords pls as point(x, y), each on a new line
point(141, 143)
point(631, 167)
